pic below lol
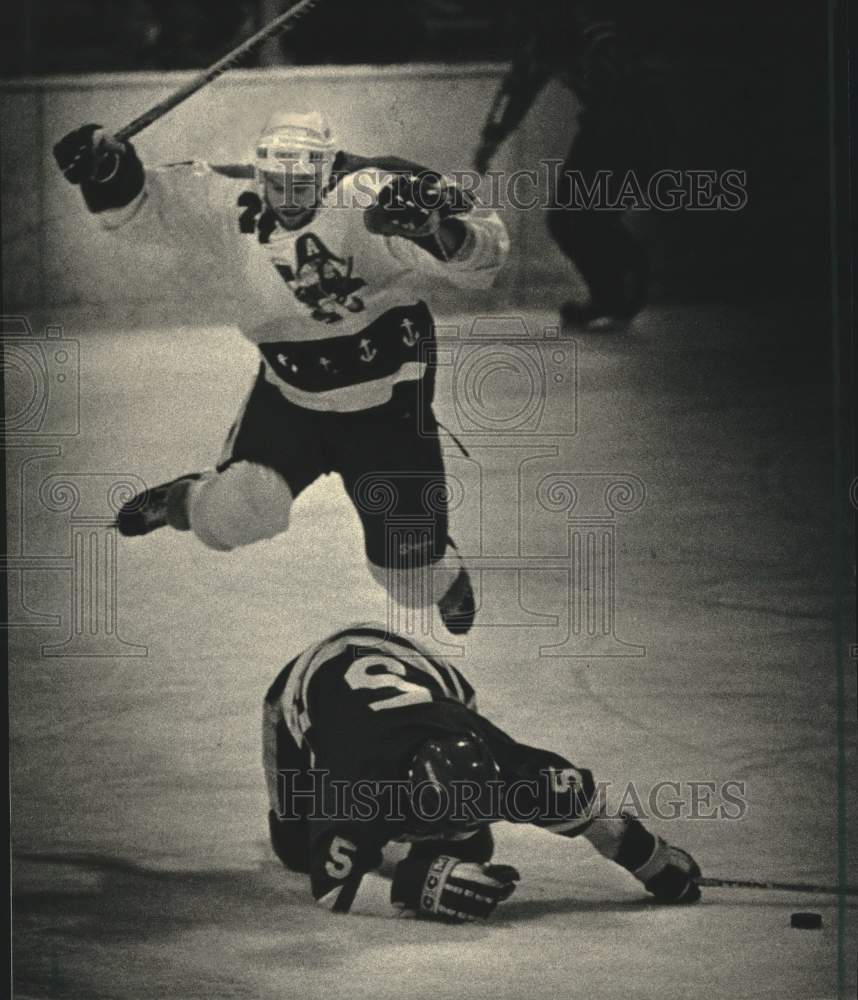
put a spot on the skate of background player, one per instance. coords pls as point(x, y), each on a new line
point(153, 771)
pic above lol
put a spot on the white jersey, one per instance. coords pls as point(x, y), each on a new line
point(330, 305)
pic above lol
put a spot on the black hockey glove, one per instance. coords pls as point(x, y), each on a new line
point(109, 172)
point(450, 889)
point(414, 206)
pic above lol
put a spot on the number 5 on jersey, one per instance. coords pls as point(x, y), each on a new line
point(340, 858)
point(385, 672)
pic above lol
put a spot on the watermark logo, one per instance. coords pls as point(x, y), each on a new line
point(507, 378)
point(61, 567)
point(553, 185)
point(41, 372)
point(543, 800)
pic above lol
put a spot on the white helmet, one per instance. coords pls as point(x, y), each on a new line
point(301, 143)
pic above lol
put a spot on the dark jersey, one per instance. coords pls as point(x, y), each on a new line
point(343, 721)
point(596, 48)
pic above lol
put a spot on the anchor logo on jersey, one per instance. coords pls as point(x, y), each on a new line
point(368, 352)
point(322, 281)
point(286, 362)
point(410, 337)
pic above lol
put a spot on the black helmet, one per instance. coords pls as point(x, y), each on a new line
point(450, 790)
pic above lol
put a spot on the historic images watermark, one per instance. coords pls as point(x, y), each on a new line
point(61, 566)
point(666, 190)
point(553, 797)
point(548, 185)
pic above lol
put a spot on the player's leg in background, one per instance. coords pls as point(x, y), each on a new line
point(271, 454)
point(596, 239)
point(392, 466)
point(619, 139)
point(285, 767)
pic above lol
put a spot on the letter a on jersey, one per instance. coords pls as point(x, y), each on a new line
point(322, 281)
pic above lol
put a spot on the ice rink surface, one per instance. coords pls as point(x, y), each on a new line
point(141, 863)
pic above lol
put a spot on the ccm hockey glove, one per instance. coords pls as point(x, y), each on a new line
point(450, 889)
point(109, 172)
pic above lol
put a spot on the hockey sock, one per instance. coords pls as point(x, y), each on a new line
point(622, 839)
point(177, 505)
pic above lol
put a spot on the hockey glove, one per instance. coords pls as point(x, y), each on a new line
point(109, 172)
point(450, 889)
point(414, 206)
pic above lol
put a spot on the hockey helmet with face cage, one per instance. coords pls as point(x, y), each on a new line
point(300, 143)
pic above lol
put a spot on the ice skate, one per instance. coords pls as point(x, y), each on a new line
point(458, 607)
point(148, 510)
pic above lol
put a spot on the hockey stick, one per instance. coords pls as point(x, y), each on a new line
point(737, 883)
point(281, 23)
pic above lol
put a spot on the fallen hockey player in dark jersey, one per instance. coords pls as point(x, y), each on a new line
point(369, 739)
point(319, 252)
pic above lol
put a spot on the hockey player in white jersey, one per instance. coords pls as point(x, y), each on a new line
point(319, 251)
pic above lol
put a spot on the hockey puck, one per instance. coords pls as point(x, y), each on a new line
point(806, 921)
